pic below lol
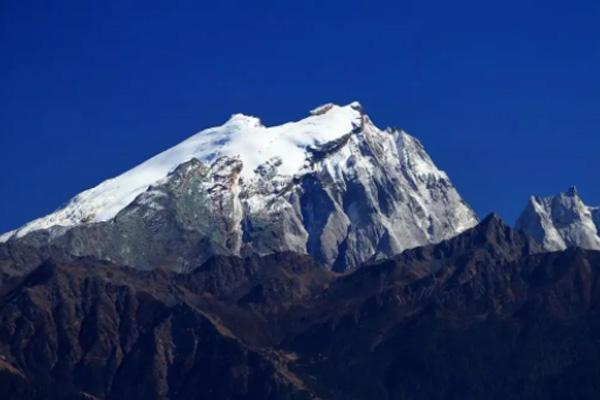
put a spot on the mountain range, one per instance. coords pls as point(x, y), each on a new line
point(319, 259)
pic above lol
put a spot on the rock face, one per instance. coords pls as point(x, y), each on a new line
point(561, 221)
point(333, 186)
point(482, 315)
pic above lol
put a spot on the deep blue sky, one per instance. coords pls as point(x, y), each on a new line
point(505, 95)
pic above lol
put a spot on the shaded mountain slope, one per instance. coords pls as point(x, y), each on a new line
point(482, 315)
point(89, 329)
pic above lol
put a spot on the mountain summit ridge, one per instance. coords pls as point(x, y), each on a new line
point(104, 201)
point(332, 185)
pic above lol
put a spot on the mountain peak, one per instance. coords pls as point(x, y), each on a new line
point(244, 119)
point(493, 228)
point(571, 192)
point(356, 105)
point(332, 185)
point(492, 219)
point(561, 221)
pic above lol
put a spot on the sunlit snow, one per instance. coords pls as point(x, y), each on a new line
point(242, 136)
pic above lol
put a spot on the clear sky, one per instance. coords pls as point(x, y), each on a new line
point(505, 95)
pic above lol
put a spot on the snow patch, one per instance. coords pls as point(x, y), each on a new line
point(241, 136)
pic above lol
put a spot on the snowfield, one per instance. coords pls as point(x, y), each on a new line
point(241, 136)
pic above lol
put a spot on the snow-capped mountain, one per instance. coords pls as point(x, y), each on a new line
point(332, 185)
point(561, 221)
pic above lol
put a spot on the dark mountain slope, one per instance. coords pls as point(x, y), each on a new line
point(92, 329)
point(482, 315)
point(477, 325)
